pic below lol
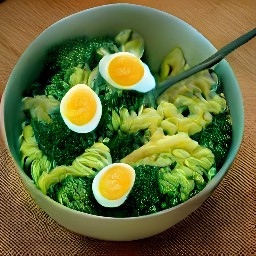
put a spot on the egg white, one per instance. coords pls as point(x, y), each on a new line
point(100, 198)
point(146, 83)
point(91, 125)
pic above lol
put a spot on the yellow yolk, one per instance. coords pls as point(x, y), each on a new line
point(80, 107)
point(126, 70)
point(115, 182)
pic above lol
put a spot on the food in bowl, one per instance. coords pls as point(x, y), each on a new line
point(166, 32)
point(94, 143)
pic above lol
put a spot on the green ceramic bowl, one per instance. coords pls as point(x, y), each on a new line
point(161, 32)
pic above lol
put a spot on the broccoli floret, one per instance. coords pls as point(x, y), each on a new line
point(145, 197)
point(217, 137)
point(116, 99)
point(77, 52)
point(58, 87)
point(75, 193)
point(122, 144)
point(61, 82)
point(58, 142)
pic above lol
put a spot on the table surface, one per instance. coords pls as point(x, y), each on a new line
point(224, 224)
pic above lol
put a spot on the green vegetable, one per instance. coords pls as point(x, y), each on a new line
point(80, 76)
point(113, 104)
point(29, 148)
point(160, 143)
point(38, 167)
point(179, 184)
point(95, 158)
point(217, 136)
point(58, 174)
point(188, 106)
point(58, 142)
point(130, 41)
point(75, 193)
point(172, 64)
point(60, 83)
point(147, 118)
point(187, 166)
point(40, 107)
point(122, 144)
point(144, 198)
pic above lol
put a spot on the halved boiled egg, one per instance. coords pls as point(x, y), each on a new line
point(81, 109)
point(124, 70)
point(112, 184)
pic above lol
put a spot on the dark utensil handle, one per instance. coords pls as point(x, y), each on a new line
point(208, 63)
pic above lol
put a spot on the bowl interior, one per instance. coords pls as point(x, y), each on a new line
point(161, 32)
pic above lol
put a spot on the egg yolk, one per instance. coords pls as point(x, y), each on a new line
point(125, 70)
point(115, 182)
point(80, 107)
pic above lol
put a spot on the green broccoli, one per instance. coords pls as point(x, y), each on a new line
point(217, 137)
point(144, 198)
point(29, 150)
point(58, 87)
point(61, 82)
point(75, 193)
point(122, 144)
point(71, 63)
point(62, 163)
point(58, 142)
